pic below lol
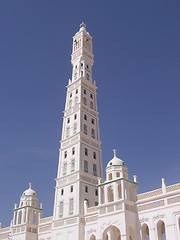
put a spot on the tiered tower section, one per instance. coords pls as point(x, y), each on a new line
point(80, 162)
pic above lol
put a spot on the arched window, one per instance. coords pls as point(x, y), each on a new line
point(34, 218)
point(110, 194)
point(119, 191)
point(145, 232)
point(110, 176)
point(93, 237)
point(111, 232)
point(161, 231)
point(20, 217)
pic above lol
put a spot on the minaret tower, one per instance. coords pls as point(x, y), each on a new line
point(80, 162)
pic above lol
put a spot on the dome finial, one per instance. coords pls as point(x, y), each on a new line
point(30, 185)
point(83, 25)
point(115, 152)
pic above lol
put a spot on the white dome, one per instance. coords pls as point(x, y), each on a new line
point(115, 161)
point(29, 191)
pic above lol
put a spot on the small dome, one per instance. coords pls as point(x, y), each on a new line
point(29, 191)
point(115, 161)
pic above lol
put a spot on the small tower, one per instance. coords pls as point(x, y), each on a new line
point(120, 193)
point(26, 216)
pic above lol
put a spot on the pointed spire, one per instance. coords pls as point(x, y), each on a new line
point(30, 185)
point(115, 152)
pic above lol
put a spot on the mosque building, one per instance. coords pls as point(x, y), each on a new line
point(86, 206)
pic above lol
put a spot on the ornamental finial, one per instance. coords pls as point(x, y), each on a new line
point(83, 25)
point(115, 152)
point(30, 185)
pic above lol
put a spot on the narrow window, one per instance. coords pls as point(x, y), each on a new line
point(76, 99)
point(87, 66)
point(75, 75)
point(73, 150)
point(73, 165)
point(86, 151)
point(71, 189)
point(86, 189)
point(64, 168)
point(68, 120)
point(81, 73)
point(87, 76)
point(75, 116)
point(94, 170)
point(92, 120)
point(70, 95)
point(76, 91)
point(94, 155)
point(85, 166)
point(92, 133)
point(91, 95)
point(61, 206)
point(71, 206)
point(96, 192)
point(65, 154)
point(84, 101)
point(85, 129)
point(91, 105)
point(85, 117)
point(70, 103)
point(84, 91)
point(67, 131)
point(75, 128)
point(62, 192)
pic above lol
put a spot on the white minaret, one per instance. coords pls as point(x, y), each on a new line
point(80, 162)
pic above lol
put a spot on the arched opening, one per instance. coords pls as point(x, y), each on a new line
point(119, 191)
point(15, 217)
point(110, 194)
point(24, 216)
point(111, 232)
point(34, 218)
point(110, 176)
point(93, 237)
point(20, 217)
point(161, 231)
point(118, 174)
point(145, 232)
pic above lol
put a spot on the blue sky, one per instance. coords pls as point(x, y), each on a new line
point(137, 69)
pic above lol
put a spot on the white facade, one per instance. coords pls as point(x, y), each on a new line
point(87, 207)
